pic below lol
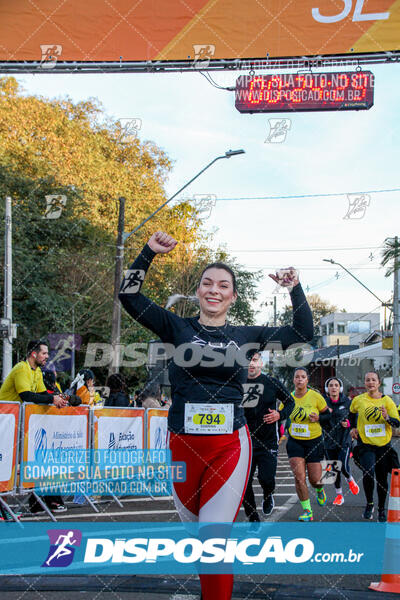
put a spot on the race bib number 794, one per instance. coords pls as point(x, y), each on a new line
point(208, 418)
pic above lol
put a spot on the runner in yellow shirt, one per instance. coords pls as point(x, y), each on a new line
point(305, 447)
point(376, 415)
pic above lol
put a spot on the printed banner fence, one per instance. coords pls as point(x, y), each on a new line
point(47, 428)
point(10, 413)
point(95, 451)
point(157, 428)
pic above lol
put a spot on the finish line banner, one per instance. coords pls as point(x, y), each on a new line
point(157, 30)
point(175, 548)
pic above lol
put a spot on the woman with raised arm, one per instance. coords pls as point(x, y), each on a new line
point(207, 427)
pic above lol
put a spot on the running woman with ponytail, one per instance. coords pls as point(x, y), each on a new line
point(207, 369)
point(337, 440)
point(305, 446)
point(372, 416)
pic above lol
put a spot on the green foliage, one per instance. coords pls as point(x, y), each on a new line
point(390, 255)
point(65, 266)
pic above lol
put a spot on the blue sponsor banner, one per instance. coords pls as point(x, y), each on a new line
point(175, 548)
point(121, 472)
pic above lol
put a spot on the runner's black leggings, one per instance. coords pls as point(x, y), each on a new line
point(341, 454)
point(373, 460)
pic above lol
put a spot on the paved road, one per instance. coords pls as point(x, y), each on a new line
point(186, 588)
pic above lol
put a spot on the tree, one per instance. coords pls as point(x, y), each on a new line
point(390, 255)
point(57, 147)
point(319, 308)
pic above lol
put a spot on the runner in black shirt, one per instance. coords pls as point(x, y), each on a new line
point(207, 369)
point(337, 440)
point(261, 394)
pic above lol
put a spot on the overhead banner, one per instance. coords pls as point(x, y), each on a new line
point(198, 30)
point(9, 421)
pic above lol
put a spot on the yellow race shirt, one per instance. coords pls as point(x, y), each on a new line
point(301, 428)
point(22, 378)
point(372, 427)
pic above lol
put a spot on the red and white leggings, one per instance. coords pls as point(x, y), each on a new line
point(217, 471)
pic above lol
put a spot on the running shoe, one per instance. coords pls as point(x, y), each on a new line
point(254, 517)
point(268, 505)
point(6, 516)
point(381, 515)
point(255, 522)
point(354, 488)
point(368, 511)
point(57, 508)
point(321, 497)
point(306, 516)
point(338, 501)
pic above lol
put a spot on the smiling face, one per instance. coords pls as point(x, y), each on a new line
point(215, 293)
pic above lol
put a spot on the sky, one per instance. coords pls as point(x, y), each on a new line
point(325, 157)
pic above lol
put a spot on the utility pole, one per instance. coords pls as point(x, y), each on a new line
point(274, 311)
point(6, 322)
point(116, 314)
point(396, 322)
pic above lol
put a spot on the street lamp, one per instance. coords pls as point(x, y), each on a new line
point(396, 319)
point(121, 239)
point(333, 262)
point(227, 154)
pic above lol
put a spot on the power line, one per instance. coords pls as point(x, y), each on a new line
point(305, 195)
point(310, 249)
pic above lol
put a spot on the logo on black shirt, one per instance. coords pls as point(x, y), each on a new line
point(133, 281)
point(221, 345)
point(252, 394)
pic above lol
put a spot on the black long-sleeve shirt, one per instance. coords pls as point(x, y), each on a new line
point(261, 394)
point(207, 364)
point(335, 435)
